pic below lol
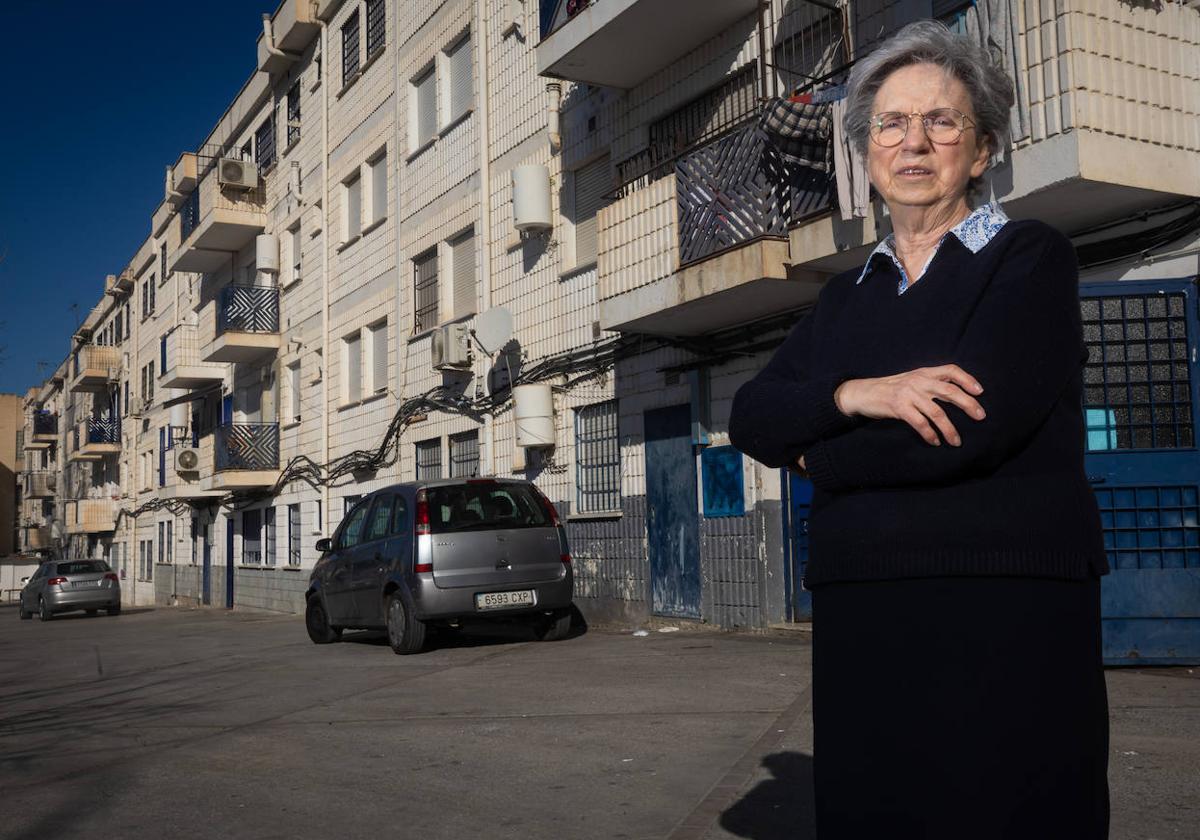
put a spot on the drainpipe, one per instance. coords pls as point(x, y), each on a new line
point(403, 280)
point(269, 41)
point(485, 203)
point(553, 102)
point(325, 238)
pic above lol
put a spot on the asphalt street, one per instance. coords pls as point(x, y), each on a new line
point(193, 723)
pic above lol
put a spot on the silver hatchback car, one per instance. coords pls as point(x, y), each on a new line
point(434, 553)
point(66, 585)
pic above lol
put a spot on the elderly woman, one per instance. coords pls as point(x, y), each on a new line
point(933, 398)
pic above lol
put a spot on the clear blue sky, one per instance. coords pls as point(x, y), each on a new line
point(97, 99)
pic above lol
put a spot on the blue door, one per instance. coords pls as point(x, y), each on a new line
point(672, 518)
point(1140, 393)
point(206, 565)
point(797, 501)
point(229, 562)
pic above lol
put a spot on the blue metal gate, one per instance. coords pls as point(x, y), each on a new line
point(797, 494)
point(206, 567)
point(672, 517)
point(229, 562)
point(1140, 395)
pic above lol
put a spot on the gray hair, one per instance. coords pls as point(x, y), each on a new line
point(930, 42)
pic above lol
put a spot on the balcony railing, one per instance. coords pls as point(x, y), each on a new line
point(40, 485)
point(45, 423)
point(103, 430)
point(93, 366)
point(180, 360)
point(91, 516)
point(38, 537)
point(189, 214)
point(247, 446)
point(252, 309)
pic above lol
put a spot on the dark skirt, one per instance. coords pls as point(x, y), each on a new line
point(959, 708)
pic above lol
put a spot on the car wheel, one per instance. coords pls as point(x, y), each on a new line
point(24, 613)
point(44, 610)
point(405, 633)
point(114, 610)
point(553, 627)
point(316, 621)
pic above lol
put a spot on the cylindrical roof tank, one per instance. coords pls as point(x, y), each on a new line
point(531, 197)
point(266, 252)
point(533, 412)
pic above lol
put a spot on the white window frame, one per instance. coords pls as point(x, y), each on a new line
point(351, 221)
point(294, 393)
point(351, 350)
point(375, 384)
point(459, 308)
point(445, 85)
point(374, 195)
point(291, 259)
point(416, 142)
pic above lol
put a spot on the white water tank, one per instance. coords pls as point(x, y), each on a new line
point(533, 412)
point(266, 252)
point(531, 197)
point(180, 411)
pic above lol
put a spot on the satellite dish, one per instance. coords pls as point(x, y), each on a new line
point(493, 329)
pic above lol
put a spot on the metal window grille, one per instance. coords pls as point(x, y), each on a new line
point(269, 523)
point(426, 289)
point(1137, 381)
point(426, 104)
point(293, 114)
point(162, 262)
point(264, 144)
point(189, 218)
point(350, 48)
point(462, 259)
point(20, 444)
point(252, 537)
point(462, 82)
point(376, 26)
point(464, 455)
point(597, 458)
point(429, 458)
point(809, 45)
point(293, 535)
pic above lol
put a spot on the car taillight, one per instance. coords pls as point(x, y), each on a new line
point(566, 559)
point(421, 520)
point(56, 581)
point(423, 567)
point(111, 576)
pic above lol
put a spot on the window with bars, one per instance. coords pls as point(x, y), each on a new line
point(162, 262)
point(592, 185)
point(252, 537)
point(1137, 380)
point(425, 279)
point(597, 458)
point(376, 27)
point(293, 513)
point(350, 48)
point(269, 526)
point(808, 47)
point(424, 107)
point(264, 144)
point(464, 455)
point(293, 114)
point(460, 87)
point(429, 458)
point(462, 264)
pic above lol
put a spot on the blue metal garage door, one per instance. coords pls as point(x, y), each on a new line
point(1140, 395)
point(797, 500)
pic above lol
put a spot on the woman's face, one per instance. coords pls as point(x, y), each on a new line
point(917, 172)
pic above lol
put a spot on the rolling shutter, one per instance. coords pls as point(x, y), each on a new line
point(592, 183)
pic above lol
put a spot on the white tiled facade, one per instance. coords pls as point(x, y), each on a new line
point(422, 183)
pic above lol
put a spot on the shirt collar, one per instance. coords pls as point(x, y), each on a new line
point(974, 232)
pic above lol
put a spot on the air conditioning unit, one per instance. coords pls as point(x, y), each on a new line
point(242, 174)
point(187, 459)
point(449, 348)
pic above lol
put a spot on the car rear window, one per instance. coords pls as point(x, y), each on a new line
point(82, 567)
point(484, 506)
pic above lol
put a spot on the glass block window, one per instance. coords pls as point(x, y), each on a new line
point(429, 458)
point(1150, 527)
point(464, 455)
point(426, 290)
point(597, 458)
point(350, 48)
point(376, 26)
point(1137, 384)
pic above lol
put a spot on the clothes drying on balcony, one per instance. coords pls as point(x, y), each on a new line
point(993, 25)
point(800, 132)
point(849, 169)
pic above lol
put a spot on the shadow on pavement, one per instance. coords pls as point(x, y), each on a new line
point(472, 633)
point(779, 808)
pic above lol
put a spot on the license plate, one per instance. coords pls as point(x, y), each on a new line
point(503, 600)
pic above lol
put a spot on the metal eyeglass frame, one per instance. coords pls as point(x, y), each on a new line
point(876, 126)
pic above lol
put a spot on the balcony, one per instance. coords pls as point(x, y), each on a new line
point(619, 43)
point(180, 363)
point(91, 516)
point(40, 485)
point(215, 221)
point(95, 438)
point(38, 538)
point(246, 456)
point(705, 246)
point(246, 324)
point(44, 432)
point(93, 367)
point(189, 485)
point(293, 26)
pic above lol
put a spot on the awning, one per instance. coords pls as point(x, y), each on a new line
point(192, 396)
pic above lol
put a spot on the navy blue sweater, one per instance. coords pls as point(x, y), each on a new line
point(1013, 499)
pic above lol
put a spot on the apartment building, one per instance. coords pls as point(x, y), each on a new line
point(411, 208)
point(12, 464)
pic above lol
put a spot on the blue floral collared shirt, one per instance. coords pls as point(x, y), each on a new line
point(975, 231)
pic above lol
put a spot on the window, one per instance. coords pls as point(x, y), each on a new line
point(295, 250)
point(293, 535)
point(319, 519)
point(147, 298)
point(464, 455)
point(351, 207)
point(264, 144)
point(20, 444)
point(162, 262)
point(424, 108)
point(597, 458)
point(252, 537)
point(128, 321)
point(592, 183)
point(462, 266)
point(269, 525)
point(352, 368)
point(400, 518)
point(429, 458)
point(162, 542)
point(169, 557)
point(293, 114)
point(460, 90)
point(377, 201)
point(351, 533)
point(350, 48)
point(381, 519)
point(293, 385)
point(426, 290)
point(376, 27)
point(195, 534)
point(378, 349)
point(118, 330)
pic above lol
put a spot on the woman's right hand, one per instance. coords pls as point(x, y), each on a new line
point(912, 397)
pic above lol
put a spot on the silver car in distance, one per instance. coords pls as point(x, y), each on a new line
point(67, 585)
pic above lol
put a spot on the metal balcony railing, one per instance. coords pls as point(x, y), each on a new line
point(247, 446)
point(103, 430)
point(45, 423)
point(189, 215)
point(253, 309)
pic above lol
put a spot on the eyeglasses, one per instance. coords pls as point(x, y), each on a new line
point(942, 126)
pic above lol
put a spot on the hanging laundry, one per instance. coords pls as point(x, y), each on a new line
point(849, 169)
point(820, 97)
point(801, 132)
point(993, 25)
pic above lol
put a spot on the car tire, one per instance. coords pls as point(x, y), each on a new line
point(44, 610)
point(553, 627)
point(406, 634)
point(113, 610)
point(24, 613)
point(316, 621)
